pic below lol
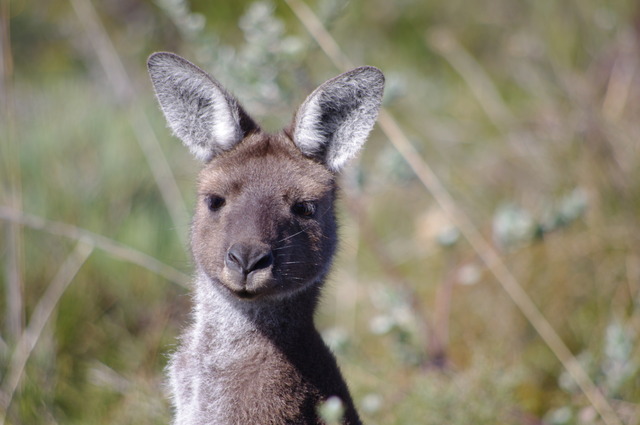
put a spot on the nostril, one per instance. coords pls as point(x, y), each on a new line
point(232, 259)
point(264, 262)
point(236, 258)
point(246, 258)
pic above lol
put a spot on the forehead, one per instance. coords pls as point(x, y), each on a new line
point(266, 163)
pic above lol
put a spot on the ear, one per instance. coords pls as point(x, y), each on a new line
point(334, 121)
point(198, 109)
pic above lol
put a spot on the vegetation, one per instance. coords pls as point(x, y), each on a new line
point(527, 113)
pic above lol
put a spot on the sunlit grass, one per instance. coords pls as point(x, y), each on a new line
point(526, 113)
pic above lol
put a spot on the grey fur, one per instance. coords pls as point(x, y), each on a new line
point(335, 120)
point(263, 239)
point(198, 109)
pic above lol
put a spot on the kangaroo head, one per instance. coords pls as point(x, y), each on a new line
point(264, 223)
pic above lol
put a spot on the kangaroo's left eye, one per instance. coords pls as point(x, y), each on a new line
point(214, 202)
point(304, 209)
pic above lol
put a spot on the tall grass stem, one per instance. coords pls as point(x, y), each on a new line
point(39, 318)
point(115, 71)
point(10, 176)
point(111, 247)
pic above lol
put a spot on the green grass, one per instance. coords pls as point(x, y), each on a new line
point(526, 111)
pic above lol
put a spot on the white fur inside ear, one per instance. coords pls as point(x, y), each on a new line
point(307, 138)
point(198, 110)
point(334, 121)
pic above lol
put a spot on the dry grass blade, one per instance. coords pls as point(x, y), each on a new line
point(479, 243)
point(110, 246)
point(320, 34)
point(39, 319)
point(10, 189)
point(480, 84)
point(114, 69)
point(618, 88)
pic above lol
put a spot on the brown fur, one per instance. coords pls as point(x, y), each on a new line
point(263, 238)
point(260, 179)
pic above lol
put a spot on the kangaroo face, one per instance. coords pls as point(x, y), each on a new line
point(264, 224)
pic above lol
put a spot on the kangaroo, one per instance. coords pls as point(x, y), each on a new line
point(263, 237)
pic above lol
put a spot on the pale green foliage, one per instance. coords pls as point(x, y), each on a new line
point(544, 159)
point(332, 411)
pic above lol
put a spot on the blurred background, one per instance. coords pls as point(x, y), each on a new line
point(489, 270)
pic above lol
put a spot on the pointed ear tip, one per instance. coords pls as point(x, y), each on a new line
point(372, 75)
point(160, 58)
point(155, 57)
point(372, 70)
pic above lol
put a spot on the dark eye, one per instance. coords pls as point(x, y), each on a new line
point(214, 202)
point(304, 209)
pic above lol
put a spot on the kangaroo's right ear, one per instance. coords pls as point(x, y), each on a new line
point(334, 121)
point(198, 109)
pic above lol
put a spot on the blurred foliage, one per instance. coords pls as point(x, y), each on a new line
point(528, 112)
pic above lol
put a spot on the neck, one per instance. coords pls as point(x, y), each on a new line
point(282, 317)
point(262, 358)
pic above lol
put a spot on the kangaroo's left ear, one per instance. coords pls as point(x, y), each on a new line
point(198, 109)
point(334, 121)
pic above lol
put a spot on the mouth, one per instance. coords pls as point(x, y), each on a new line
point(248, 288)
point(243, 294)
point(258, 286)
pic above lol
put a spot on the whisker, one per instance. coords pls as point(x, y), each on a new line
point(293, 235)
point(304, 229)
point(287, 247)
point(290, 262)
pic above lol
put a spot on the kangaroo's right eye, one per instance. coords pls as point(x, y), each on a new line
point(214, 202)
point(304, 209)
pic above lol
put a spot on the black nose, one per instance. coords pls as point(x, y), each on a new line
point(246, 258)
